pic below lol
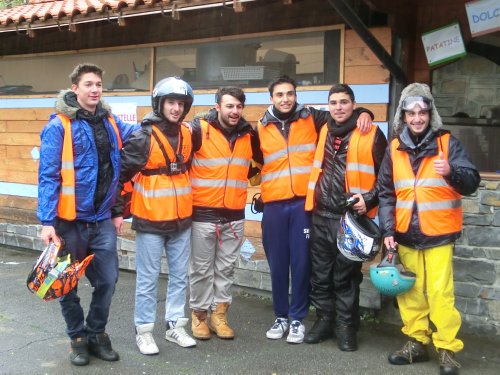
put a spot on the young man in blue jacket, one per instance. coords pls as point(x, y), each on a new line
point(77, 209)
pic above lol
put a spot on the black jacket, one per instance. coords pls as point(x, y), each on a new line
point(214, 214)
point(330, 193)
point(464, 178)
point(134, 157)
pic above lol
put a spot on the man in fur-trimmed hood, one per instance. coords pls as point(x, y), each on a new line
point(415, 90)
point(421, 181)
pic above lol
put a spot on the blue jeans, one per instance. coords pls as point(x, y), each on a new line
point(149, 250)
point(81, 239)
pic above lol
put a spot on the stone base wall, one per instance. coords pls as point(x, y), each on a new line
point(476, 264)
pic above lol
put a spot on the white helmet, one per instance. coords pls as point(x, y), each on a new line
point(358, 237)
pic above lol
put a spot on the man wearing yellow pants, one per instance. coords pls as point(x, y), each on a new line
point(422, 179)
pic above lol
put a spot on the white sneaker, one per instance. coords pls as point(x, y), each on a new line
point(296, 334)
point(176, 332)
point(144, 339)
point(279, 328)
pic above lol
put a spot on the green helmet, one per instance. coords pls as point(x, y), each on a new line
point(389, 277)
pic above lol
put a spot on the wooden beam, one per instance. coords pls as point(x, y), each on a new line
point(353, 20)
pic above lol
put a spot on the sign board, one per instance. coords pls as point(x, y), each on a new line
point(127, 112)
point(484, 16)
point(443, 44)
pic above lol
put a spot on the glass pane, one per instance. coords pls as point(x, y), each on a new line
point(126, 70)
point(249, 62)
point(467, 98)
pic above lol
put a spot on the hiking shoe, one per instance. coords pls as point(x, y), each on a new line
point(218, 322)
point(321, 330)
point(100, 347)
point(199, 325)
point(296, 333)
point(447, 363)
point(412, 351)
point(278, 329)
point(144, 339)
point(79, 355)
point(176, 332)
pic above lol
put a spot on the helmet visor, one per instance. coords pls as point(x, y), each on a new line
point(409, 103)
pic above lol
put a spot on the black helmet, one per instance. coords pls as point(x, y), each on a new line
point(172, 87)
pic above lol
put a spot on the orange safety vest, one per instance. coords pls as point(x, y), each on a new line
point(287, 164)
point(219, 176)
point(360, 168)
point(159, 196)
point(439, 206)
point(66, 207)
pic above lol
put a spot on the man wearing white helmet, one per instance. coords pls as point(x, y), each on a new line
point(423, 176)
point(158, 155)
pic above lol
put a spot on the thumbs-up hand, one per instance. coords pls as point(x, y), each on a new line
point(441, 165)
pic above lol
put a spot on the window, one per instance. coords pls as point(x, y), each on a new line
point(468, 100)
point(311, 58)
point(125, 70)
point(253, 61)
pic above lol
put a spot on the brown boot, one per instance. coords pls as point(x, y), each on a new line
point(199, 325)
point(218, 322)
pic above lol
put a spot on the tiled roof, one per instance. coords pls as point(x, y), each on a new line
point(42, 11)
point(46, 9)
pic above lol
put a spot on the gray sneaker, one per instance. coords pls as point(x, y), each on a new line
point(278, 329)
point(296, 334)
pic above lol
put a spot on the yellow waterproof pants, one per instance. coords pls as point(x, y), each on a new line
point(432, 297)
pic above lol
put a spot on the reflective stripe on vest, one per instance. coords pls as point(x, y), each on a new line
point(360, 167)
point(160, 197)
point(66, 207)
point(439, 206)
point(219, 175)
point(287, 164)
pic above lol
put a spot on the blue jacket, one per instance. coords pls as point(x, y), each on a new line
point(85, 162)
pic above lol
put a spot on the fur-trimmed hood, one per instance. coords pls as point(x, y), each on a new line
point(66, 104)
point(416, 89)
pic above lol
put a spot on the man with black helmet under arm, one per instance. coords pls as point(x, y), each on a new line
point(158, 155)
point(423, 176)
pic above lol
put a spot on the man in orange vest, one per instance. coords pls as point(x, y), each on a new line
point(423, 176)
point(219, 176)
point(287, 136)
point(157, 158)
point(346, 164)
point(78, 177)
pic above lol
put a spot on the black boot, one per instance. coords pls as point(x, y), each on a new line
point(100, 346)
point(79, 355)
point(447, 363)
point(321, 330)
point(412, 351)
point(346, 338)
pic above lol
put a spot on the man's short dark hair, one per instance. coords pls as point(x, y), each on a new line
point(341, 87)
point(235, 92)
point(280, 80)
point(82, 69)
